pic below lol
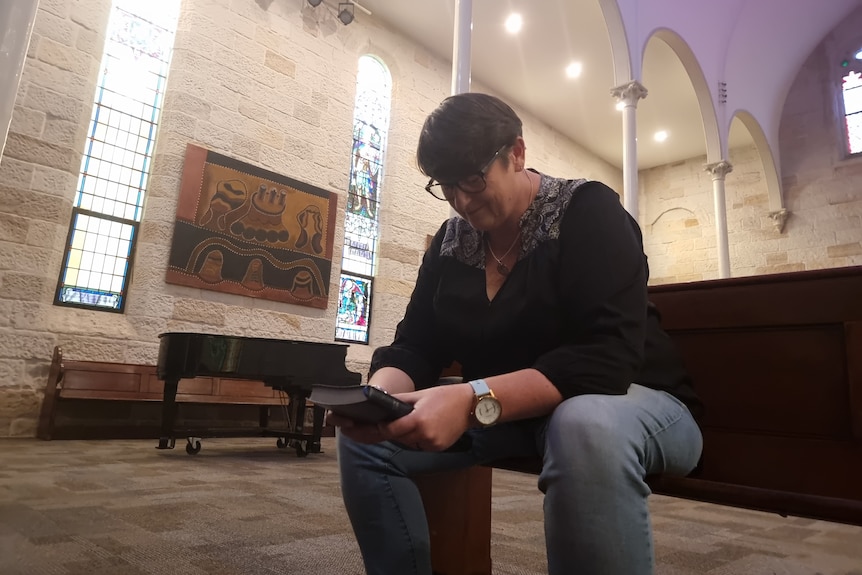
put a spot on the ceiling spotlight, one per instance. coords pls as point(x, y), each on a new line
point(660, 136)
point(314, 3)
point(620, 106)
point(345, 12)
point(574, 69)
point(514, 23)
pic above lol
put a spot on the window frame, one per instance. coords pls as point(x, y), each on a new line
point(121, 140)
point(374, 242)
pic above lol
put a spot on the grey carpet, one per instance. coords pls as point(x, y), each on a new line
point(243, 507)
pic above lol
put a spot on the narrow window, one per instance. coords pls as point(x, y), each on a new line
point(106, 213)
point(361, 222)
point(852, 92)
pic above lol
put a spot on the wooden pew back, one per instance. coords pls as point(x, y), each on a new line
point(777, 361)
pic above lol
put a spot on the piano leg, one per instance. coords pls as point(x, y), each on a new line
point(169, 413)
point(297, 416)
point(316, 430)
point(263, 416)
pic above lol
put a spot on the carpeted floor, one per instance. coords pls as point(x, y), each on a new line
point(243, 507)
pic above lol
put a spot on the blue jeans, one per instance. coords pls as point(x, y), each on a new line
point(596, 450)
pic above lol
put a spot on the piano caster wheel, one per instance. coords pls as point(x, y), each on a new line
point(193, 447)
point(300, 449)
point(281, 443)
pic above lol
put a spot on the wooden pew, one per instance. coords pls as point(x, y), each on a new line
point(84, 386)
point(778, 362)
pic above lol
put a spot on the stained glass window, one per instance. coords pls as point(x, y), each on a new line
point(852, 92)
point(354, 299)
point(361, 230)
point(119, 148)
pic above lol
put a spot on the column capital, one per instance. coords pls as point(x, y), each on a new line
point(719, 169)
point(630, 93)
point(779, 218)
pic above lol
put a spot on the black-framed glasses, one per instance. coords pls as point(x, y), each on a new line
point(472, 184)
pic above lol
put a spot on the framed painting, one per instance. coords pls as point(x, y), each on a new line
point(244, 230)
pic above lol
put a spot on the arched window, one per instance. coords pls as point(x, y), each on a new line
point(109, 201)
point(851, 92)
point(361, 227)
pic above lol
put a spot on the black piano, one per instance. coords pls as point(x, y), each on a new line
point(289, 366)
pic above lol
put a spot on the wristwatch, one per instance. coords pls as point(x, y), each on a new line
point(487, 408)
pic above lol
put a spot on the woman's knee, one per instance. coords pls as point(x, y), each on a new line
point(591, 421)
point(590, 433)
point(642, 432)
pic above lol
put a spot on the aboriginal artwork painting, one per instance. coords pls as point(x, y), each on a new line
point(248, 231)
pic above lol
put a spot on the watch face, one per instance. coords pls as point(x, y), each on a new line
point(488, 411)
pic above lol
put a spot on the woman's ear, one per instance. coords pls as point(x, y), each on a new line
point(519, 158)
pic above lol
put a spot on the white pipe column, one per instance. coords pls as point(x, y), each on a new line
point(16, 25)
point(718, 171)
point(629, 94)
point(462, 46)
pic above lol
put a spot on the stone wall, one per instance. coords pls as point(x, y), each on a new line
point(38, 174)
point(269, 83)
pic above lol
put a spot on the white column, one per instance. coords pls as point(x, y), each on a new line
point(16, 25)
point(719, 170)
point(462, 46)
point(629, 94)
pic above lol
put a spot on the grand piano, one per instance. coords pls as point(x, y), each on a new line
point(289, 366)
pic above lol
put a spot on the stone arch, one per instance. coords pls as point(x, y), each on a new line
point(696, 212)
point(620, 50)
point(701, 89)
point(767, 157)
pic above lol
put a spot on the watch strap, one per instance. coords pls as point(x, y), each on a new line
point(480, 387)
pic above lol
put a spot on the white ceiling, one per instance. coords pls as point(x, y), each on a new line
point(528, 69)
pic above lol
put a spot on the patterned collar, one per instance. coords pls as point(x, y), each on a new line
point(540, 223)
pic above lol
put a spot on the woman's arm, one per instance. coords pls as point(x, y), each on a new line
point(603, 297)
point(392, 379)
point(416, 350)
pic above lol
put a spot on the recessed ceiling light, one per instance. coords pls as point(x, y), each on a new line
point(620, 106)
point(660, 136)
point(514, 23)
point(858, 55)
point(574, 69)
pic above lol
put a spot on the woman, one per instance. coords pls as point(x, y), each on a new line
point(539, 291)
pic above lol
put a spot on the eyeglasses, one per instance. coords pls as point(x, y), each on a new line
point(472, 184)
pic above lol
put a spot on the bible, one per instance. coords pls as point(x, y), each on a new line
point(364, 403)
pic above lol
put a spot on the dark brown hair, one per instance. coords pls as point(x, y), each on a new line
point(463, 133)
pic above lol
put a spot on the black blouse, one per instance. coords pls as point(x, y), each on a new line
point(573, 307)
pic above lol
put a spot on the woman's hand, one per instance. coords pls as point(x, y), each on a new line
point(390, 379)
point(440, 416)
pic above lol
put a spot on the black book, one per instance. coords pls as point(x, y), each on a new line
point(363, 403)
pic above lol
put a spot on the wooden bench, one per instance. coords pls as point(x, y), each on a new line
point(86, 384)
point(778, 362)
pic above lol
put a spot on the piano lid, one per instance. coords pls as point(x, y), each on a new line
point(278, 362)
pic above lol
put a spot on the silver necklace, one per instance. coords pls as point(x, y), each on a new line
point(502, 268)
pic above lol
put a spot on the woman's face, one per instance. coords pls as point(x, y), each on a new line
point(497, 204)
